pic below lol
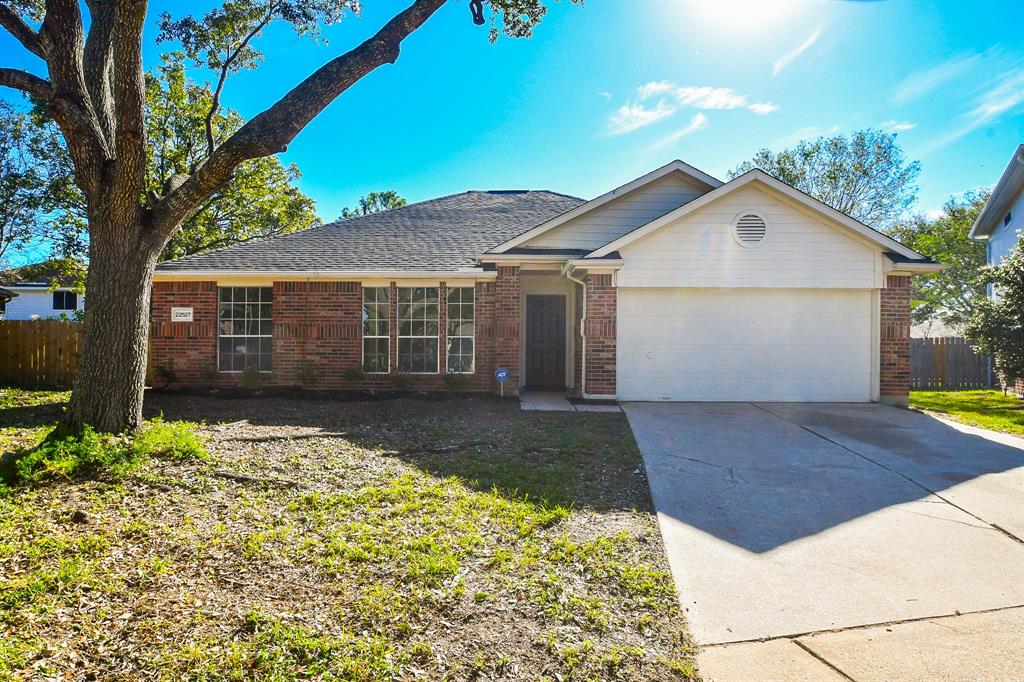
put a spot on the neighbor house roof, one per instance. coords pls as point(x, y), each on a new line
point(1006, 191)
point(6, 295)
point(439, 235)
point(56, 272)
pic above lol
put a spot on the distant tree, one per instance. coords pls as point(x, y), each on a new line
point(996, 326)
point(864, 175)
point(374, 202)
point(951, 294)
point(22, 181)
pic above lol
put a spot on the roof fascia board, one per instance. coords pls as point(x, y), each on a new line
point(756, 175)
point(658, 173)
point(313, 275)
point(1010, 182)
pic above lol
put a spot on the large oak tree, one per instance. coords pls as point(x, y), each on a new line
point(95, 90)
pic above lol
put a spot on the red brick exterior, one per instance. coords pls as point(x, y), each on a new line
point(507, 324)
point(894, 352)
point(600, 333)
point(317, 337)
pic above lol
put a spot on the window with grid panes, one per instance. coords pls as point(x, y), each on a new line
point(244, 328)
point(376, 336)
point(461, 329)
point(418, 314)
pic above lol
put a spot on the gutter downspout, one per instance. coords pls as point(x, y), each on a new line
point(583, 326)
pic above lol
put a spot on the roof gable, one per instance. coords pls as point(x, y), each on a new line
point(1004, 194)
point(693, 176)
point(790, 193)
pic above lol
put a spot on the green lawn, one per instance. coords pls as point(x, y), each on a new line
point(458, 539)
point(985, 409)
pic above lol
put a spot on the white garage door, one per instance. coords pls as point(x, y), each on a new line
point(744, 344)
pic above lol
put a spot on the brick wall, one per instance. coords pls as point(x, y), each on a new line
point(317, 337)
point(506, 324)
point(894, 355)
point(600, 332)
point(189, 349)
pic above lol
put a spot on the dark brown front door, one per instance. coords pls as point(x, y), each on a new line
point(545, 342)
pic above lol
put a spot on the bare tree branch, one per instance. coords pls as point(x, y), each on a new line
point(24, 33)
point(26, 82)
point(271, 131)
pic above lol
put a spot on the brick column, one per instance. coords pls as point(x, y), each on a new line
point(317, 332)
point(600, 333)
point(894, 351)
point(189, 349)
point(506, 327)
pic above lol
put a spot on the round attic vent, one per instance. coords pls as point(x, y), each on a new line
point(749, 229)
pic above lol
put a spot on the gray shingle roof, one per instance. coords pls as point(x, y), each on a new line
point(444, 234)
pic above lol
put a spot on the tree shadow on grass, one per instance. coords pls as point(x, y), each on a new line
point(581, 460)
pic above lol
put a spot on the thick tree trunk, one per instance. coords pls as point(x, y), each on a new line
point(111, 373)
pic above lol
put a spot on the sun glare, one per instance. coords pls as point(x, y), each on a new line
point(733, 15)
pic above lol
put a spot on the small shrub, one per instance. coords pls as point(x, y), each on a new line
point(207, 375)
point(166, 374)
point(456, 383)
point(308, 374)
point(354, 373)
point(252, 377)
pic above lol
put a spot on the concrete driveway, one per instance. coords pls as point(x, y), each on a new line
point(866, 541)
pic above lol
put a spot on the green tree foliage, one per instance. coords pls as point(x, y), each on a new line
point(951, 294)
point(261, 200)
point(864, 175)
point(374, 202)
point(996, 327)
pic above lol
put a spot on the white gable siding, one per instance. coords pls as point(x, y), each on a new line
point(35, 304)
point(798, 251)
point(624, 214)
point(1005, 237)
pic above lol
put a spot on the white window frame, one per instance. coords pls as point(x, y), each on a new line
point(398, 329)
point(387, 321)
point(261, 319)
point(449, 336)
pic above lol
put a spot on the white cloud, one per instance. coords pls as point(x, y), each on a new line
point(698, 121)
point(921, 83)
point(897, 126)
point(1005, 94)
point(791, 56)
point(648, 90)
point(763, 108)
point(805, 133)
point(604, 93)
point(631, 116)
point(934, 213)
point(707, 97)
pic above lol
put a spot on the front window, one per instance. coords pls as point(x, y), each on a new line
point(244, 328)
point(418, 309)
point(376, 338)
point(65, 300)
point(461, 328)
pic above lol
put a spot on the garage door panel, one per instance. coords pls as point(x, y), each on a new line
point(744, 344)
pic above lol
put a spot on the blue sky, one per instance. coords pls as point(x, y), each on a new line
point(607, 91)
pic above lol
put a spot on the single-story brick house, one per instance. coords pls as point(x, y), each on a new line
point(674, 286)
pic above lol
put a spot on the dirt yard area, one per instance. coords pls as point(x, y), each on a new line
point(377, 540)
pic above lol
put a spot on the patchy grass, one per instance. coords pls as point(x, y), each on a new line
point(986, 409)
point(459, 539)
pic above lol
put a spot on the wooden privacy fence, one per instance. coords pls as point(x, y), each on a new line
point(947, 363)
point(38, 352)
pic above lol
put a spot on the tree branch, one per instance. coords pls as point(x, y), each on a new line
point(26, 82)
point(97, 66)
point(271, 131)
point(24, 33)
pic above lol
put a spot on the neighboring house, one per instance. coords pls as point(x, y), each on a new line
point(674, 286)
point(1001, 221)
point(36, 297)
